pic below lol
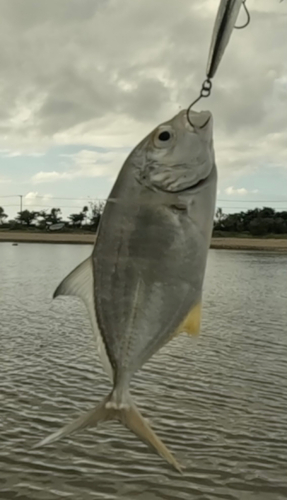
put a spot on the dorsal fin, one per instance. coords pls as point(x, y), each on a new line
point(80, 283)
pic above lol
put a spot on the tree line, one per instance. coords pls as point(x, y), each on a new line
point(88, 217)
point(256, 222)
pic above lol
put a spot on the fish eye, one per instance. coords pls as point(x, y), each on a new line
point(163, 137)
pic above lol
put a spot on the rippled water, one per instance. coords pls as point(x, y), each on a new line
point(220, 405)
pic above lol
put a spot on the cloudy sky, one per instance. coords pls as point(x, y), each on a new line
point(82, 81)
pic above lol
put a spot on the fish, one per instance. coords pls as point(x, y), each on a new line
point(142, 284)
point(224, 24)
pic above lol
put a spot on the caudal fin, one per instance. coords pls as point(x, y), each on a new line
point(89, 419)
point(130, 417)
point(134, 421)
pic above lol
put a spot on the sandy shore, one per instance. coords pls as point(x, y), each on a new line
point(271, 245)
point(25, 237)
point(275, 245)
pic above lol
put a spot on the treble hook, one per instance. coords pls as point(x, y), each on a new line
point(247, 19)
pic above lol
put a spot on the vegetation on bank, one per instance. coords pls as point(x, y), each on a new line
point(259, 222)
point(47, 220)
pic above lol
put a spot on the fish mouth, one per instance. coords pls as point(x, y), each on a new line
point(206, 122)
point(200, 120)
point(194, 120)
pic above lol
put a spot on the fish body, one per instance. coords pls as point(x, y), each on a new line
point(224, 24)
point(150, 256)
point(143, 281)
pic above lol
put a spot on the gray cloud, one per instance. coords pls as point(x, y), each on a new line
point(97, 72)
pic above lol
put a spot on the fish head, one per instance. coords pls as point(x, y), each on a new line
point(178, 154)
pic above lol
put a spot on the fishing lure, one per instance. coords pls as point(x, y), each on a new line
point(224, 24)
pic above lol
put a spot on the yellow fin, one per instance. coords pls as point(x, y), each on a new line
point(191, 324)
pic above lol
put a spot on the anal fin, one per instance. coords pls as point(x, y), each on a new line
point(192, 322)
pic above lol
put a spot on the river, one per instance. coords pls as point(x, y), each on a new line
point(220, 404)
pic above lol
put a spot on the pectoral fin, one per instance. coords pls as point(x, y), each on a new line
point(80, 283)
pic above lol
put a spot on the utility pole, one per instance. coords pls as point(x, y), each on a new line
point(21, 205)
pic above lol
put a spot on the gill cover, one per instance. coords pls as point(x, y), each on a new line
point(179, 156)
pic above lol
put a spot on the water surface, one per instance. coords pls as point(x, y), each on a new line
point(220, 404)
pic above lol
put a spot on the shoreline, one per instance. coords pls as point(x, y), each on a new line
point(223, 243)
point(57, 238)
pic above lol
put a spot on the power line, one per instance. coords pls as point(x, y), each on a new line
point(12, 205)
point(57, 198)
point(26, 201)
point(9, 196)
point(224, 200)
point(243, 208)
point(52, 206)
point(27, 206)
point(251, 201)
point(54, 198)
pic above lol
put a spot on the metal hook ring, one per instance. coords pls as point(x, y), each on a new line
point(206, 88)
point(248, 17)
point(205, 92)
point(207, 84)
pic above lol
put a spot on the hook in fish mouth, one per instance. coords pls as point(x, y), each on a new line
point(199, 121)
point(208, 119)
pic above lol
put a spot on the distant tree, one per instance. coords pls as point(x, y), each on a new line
point(48, 218)
point(219, 215)
point(250, 215)
point(280, 225)
point(96, 210)
point(54, 216)
point(258, 222)
point(282, 215)
point(78, 219)
point(85, 211)
point(267, 212)
point(258, 227)
point(27, 217)
point(218, 219)
point(42, 219)
point(14, 224)
point(2, 215)
point(231, 222)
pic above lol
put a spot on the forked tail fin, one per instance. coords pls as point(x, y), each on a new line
point(134, 421)
point(130, 417)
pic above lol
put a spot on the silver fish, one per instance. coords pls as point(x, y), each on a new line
point(143, 282)
point(225, 20)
